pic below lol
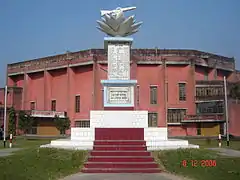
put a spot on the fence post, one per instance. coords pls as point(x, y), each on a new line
point(10, 140)
point(219, 140)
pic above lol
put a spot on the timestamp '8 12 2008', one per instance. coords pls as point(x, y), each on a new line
point(199, 163)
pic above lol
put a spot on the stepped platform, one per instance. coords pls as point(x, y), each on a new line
point(120, 150)
point(150, 145)
point(123, 152)
point(86, 138)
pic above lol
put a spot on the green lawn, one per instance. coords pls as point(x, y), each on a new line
point(34, 163)
point(22, 142)
point(226, 168)
point(203, 143)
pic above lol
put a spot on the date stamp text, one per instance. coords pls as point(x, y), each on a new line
point(199, 163)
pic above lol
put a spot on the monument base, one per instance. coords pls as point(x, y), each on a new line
point(152, 143)
point(113, 122)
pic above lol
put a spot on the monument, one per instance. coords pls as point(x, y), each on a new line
point(118, 89)
point(119, 120)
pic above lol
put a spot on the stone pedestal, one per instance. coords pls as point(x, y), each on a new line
point(118, 89)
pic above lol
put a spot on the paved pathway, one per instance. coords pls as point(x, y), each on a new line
point(227, 152)
point(122, 176)
point(8, 151)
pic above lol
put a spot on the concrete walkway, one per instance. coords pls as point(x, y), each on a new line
point(226, 152)
point(8, 151)
point(129, 176)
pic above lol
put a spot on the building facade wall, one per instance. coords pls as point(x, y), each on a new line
point(147, 76)
point(234, 114)
point(35, 90)
point(69, 80)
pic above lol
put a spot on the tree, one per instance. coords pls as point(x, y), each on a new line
point(62, 124)
point(235, 91)
point(25, 121)
point(12, 121)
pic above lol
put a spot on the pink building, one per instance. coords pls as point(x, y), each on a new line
point(181, 89)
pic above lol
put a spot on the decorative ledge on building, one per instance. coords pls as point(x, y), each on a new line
point(50, 114)
point(118, 82)
point(203, 118)
point(141, 56)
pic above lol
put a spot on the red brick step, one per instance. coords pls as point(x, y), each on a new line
point(120, 153)
point(121, 165)
point(118, 170)
point(120, 159)
point(119, 134)
point(120, 148)
point(120, 142)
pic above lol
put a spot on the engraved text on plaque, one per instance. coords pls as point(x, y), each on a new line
point(119, 95)
point(119, 61)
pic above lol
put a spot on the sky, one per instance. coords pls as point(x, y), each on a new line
point(32, 29)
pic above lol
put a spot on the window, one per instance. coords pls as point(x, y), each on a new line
point(209, 92)
point(82, 124)
point(152, 119)
point(222, 128)
point(205, 74)
point(182, 91)
point(166, 91)
point(210, 107)
point(77, 103)
point(176, 115)
point(153, 94)
point(32, 130)
point(215, 74)
point(32, 105)
point(53, 105)
point(1, 113)
point(138, 93)
point(198, 129)
point(102, 97)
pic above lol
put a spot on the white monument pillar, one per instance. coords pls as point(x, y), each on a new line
point(118, 89)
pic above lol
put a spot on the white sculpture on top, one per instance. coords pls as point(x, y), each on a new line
point(115, 24)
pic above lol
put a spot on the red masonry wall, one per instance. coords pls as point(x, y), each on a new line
point(64, 83)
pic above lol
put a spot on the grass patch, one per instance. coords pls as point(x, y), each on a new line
point(34, 163)
point(208, 143)
point(22, 142)
point(226, 168)
point(41, 164)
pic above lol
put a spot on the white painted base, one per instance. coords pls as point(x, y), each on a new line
point(83, 138)
point(151, 145)
point(118, 119)
point(156, 139)
point(70, 144)
point(155, 134)
point(83, 134)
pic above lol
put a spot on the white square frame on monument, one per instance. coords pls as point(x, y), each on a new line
point(119, 93)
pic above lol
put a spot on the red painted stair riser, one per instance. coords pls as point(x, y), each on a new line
point(121, 165)
point(119, 134)
point(120, 142)
point(120, 153)
point(120, 159)
point(121, 170)
point(120, 150)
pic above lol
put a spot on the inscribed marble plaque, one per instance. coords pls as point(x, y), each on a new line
point(119, 95)
point(118, 61)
